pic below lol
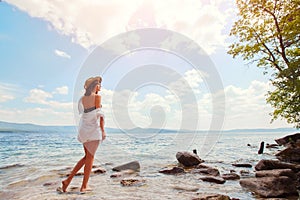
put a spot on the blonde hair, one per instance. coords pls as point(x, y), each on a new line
point(91, 87)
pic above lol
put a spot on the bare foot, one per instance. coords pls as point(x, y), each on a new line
point(86, 189)
point(65, 184)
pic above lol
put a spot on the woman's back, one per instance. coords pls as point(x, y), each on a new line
point(89, 101)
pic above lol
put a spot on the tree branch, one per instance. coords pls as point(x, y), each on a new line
point(279, 35)
point(268, 50)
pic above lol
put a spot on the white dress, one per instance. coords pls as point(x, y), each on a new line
point(89, 125)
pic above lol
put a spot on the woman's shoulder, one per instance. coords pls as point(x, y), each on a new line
point(97, 96)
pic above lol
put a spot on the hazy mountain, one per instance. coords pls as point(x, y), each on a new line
point(27, 127)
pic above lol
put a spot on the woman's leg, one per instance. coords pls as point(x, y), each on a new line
point(90, 150)
point(77, 167)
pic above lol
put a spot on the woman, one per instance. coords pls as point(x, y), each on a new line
point(89, 130)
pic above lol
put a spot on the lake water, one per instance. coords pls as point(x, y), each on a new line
point(32, 163)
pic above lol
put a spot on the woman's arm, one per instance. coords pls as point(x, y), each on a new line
point(98, 101)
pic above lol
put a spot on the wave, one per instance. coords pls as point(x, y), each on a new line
point(11, 166)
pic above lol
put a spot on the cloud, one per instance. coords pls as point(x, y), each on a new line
point(62, 54)
point(37, 115)
point(39, 96)
point(247, 108)
point(90, 23)
point(244, 108)
point(7, 92)
point(6, 97)
point(61, 90)
point(43, 109)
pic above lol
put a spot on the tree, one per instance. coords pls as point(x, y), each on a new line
point(267, 33)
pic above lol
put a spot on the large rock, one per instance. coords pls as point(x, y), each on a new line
point(188, 159)
point(270, 186)
point(277, 173)
point(289, 154)
point(134, 165)
point(275, 164)
point(287, 139)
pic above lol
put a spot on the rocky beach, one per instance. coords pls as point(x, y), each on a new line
point(127, 168)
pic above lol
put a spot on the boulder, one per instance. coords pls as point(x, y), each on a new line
point(289, 154)
point(201, 196)
point(276, 173)
point(287, 139)
point(213, 179)
point(230, 176)
point(188, 159)
point(134, 165)
point(173, 171)
point(270, 186)
point(275, 164)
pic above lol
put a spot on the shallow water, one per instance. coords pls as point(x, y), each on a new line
point(32, 164)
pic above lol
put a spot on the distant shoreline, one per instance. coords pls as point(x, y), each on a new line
point(9, 127)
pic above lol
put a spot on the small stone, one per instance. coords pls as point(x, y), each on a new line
point(231, 176)
point(173, 171)
point(244, 172)
point(206, 171)
point(77, 174)
point(204, 196)
point(242, 165)
point(99, 171)
point(213, 179)
point(122, 173)
point(272, 146)
point(135, 165)
point(50, 184)
point(116, 175)
point(132, 182)
point(186, 188)
point(201, 166)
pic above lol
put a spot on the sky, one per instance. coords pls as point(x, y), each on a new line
point(44, 46)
